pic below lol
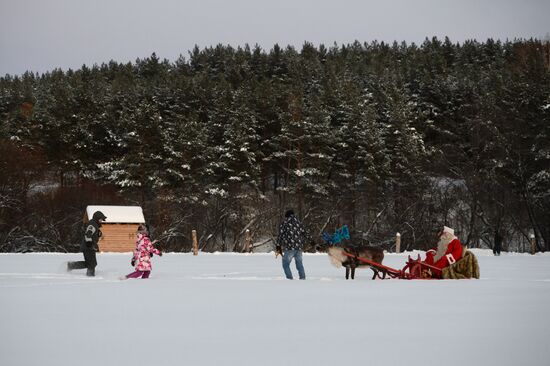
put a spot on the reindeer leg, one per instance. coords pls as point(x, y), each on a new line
point(383, 275)
point(353, 272)
point(347, 273)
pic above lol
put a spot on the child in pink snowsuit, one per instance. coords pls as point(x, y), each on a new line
point(142, 255)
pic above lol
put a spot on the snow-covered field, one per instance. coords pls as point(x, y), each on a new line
point(237, 309)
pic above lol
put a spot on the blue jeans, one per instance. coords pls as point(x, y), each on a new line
point(287, 258)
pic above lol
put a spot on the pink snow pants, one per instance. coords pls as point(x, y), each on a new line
point(138, 274)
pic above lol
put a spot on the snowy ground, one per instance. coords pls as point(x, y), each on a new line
point(231, 309)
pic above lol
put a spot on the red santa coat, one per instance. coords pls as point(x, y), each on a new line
point(452, 254)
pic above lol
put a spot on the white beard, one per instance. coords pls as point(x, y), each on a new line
point(442, 245)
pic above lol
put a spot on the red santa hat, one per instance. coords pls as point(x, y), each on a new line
point(447, 229)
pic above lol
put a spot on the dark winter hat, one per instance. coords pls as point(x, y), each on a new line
point(289, 213)
point(98, 215)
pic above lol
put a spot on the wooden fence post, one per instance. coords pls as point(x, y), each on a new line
point(533, 244)
point(397, 243)
point(195, 243)
point(247, 241)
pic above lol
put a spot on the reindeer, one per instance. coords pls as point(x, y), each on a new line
point(336, 249)
point(339, 259)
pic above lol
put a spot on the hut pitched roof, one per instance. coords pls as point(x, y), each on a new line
point(118, 214)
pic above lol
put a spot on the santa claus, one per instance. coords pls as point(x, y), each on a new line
point(448, 251)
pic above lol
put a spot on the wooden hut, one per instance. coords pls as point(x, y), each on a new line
point(119, 230)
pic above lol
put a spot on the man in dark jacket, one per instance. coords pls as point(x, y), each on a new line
point(498, 243)
point(89, 245)
point(291, 239)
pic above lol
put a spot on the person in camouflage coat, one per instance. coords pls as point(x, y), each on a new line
point(89, 245)
point(290, 241)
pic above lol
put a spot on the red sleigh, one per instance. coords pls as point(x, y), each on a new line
point(414, 269)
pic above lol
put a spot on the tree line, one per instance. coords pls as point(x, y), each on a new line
point(381, 137)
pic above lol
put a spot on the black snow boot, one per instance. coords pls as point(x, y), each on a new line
point(90, 272)
point(76, 265)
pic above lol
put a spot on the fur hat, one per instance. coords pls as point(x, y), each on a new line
point(447, 229)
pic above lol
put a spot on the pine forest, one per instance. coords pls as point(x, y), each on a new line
point(384, 138)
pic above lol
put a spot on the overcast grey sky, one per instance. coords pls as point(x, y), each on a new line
point(40, 35)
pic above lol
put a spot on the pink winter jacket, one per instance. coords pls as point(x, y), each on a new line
point(142, 254)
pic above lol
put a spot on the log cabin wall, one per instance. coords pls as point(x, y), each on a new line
point(118, 237)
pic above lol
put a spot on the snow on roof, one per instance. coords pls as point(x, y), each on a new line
point(118, 214)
